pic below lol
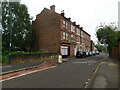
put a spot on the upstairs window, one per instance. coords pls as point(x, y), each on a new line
point(62, 35)
point(82, 33)
point(64, 24)
point(78, 31)
point(78, 39)
point(67, 36)
point(72, 28)
point(72, 38)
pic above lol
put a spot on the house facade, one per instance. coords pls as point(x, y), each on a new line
point(85, 40)
point(57, 34)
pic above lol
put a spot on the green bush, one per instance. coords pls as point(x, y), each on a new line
point(5, 53)
point(4, 58)
point(19, 52)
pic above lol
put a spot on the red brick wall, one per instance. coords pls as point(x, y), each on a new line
point(47, 31)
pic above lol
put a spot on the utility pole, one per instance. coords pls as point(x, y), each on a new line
point(10, 31)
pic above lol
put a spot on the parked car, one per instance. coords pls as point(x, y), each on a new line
point(84, 54)
point(97, 52)
point(80, 54)
point(90, 53)
point(87, 54)
point(93, 52)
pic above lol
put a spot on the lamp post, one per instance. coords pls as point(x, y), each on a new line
point(10, 31)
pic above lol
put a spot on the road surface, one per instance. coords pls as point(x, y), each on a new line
point(72, 74)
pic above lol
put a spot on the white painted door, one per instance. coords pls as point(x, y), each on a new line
point(64, 50)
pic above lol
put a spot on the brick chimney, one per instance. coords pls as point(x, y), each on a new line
point(78, 26)
point(81, 28)
point(62, 13)
point(74, 23)
point(69, 18)
point(52, 8)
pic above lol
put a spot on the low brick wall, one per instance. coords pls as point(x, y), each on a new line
point(22, 58)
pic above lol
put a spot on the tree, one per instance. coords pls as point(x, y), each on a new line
point(22, 31)
point(100, 47)
point(108, 34)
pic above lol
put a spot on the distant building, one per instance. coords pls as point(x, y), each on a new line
point(57, 34)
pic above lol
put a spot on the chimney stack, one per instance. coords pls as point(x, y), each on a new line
point(74, 23)
point(81, 28)
point(52, 8)
point(62, 13)
point(78, 26)
point(69, 18)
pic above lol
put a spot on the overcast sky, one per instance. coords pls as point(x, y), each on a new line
point(88, 13)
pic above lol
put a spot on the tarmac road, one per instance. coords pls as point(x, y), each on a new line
point(72, 74)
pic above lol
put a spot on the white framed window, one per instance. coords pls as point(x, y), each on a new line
point(62, 35)
point(72, 28)
point(78, 31)
point(72, 38)
point(82, 33)
point(66, 25)
point(62, 24)
point(67, 36)
point(78, 39)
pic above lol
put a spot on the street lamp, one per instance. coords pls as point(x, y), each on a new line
point(10, 31)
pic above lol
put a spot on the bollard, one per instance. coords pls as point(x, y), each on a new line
point(60, 58)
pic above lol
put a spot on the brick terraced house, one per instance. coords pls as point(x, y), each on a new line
point(57, 34)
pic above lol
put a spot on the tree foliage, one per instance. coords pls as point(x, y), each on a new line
point(19, 21)
point(100, 47)
point(108, 34)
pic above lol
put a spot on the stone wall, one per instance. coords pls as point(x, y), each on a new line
point(22, 58)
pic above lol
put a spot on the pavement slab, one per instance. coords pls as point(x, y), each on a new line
point(107, 76)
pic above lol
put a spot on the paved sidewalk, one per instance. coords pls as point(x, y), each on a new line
point(15, 67)
point(106, 76)
point(21, 66)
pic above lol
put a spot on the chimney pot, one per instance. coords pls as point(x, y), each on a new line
point(62, 13)
point(52, 8)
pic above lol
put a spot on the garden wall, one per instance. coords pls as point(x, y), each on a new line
point(22, 58)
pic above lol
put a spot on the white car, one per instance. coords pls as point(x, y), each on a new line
point(93, 52)
point(97, 52)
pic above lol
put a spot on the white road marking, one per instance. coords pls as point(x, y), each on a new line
point(86, 62)
point(79, 62)
point(27, 73)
